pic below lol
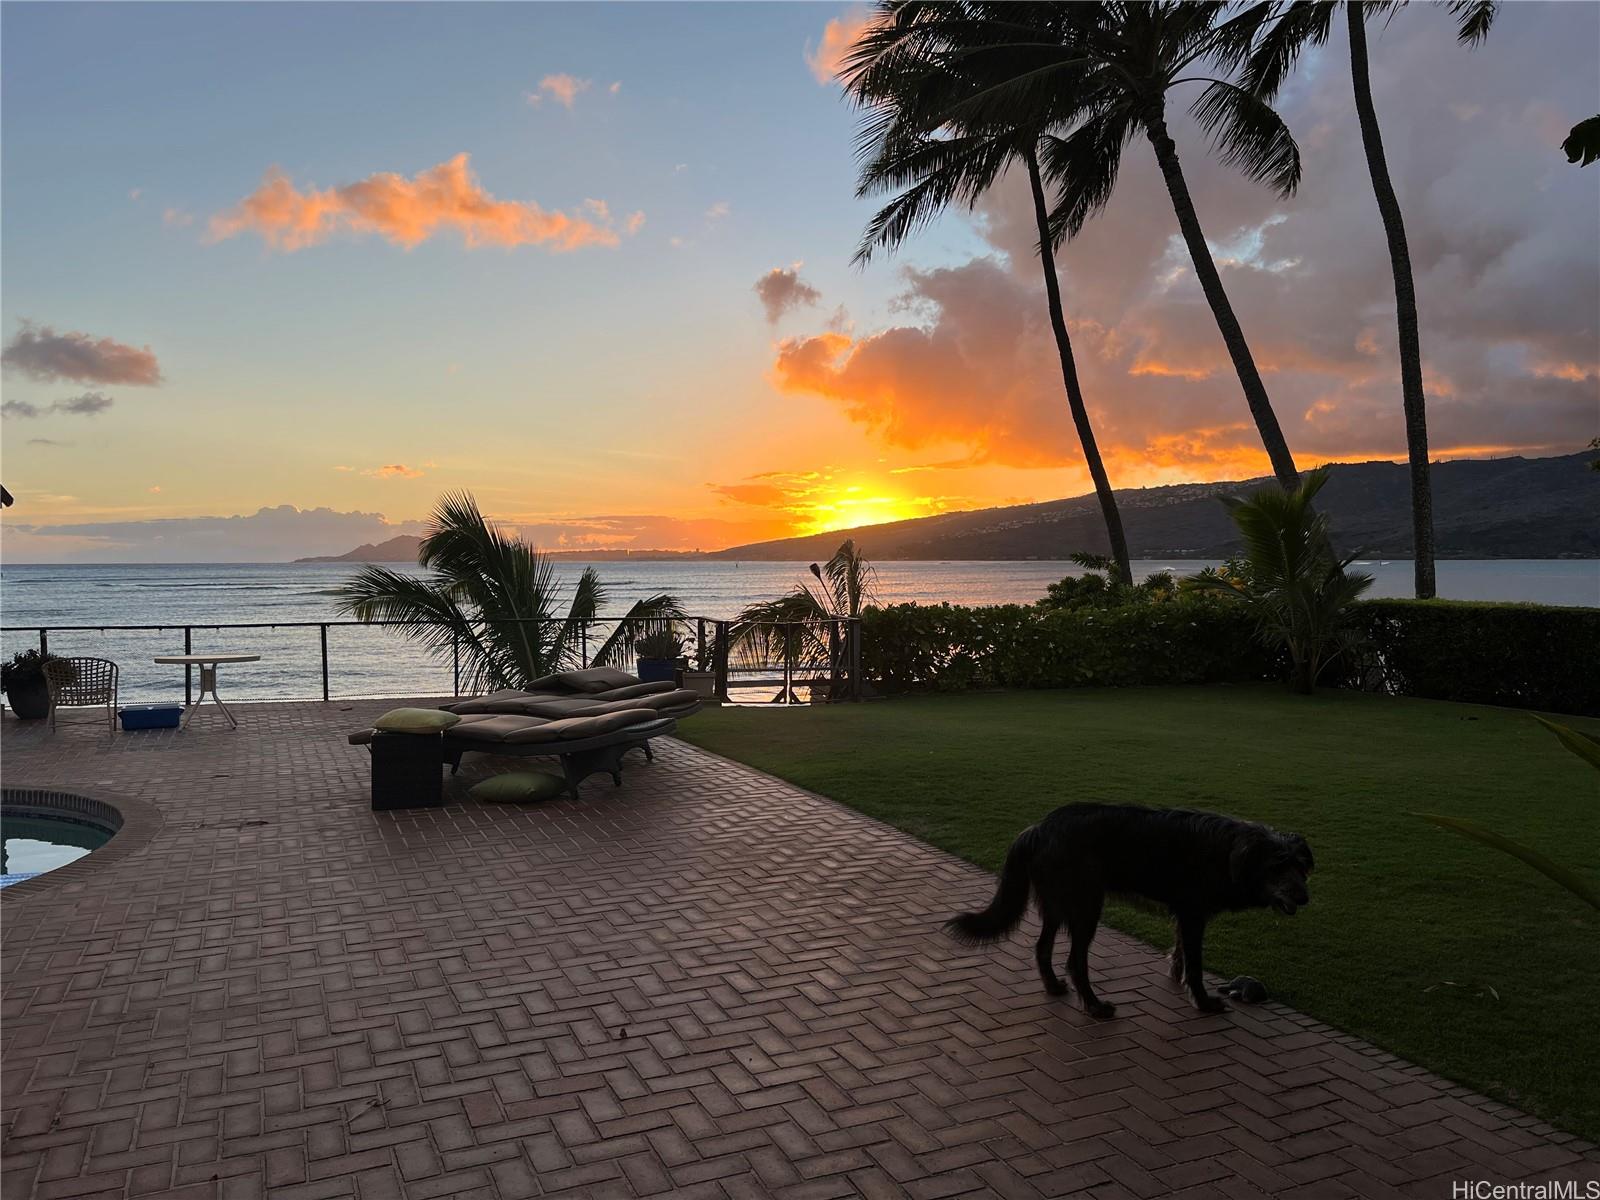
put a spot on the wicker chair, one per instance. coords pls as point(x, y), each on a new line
point(82, 681)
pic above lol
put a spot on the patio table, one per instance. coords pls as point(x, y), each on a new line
point(208, 678)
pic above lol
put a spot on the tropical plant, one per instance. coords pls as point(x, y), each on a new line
point(1308, 22)
point(1109, 77)
point(1291, 581)
point(1100, 587)
point(494, 599)
point(908, 69)
point(801, 627)
point(1587, 747)
point(659, 643)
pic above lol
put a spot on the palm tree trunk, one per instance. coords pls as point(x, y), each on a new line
point(1069, 376)
point(1405, 305)
point(1255, 392)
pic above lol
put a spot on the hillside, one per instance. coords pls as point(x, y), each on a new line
point(1483, 508)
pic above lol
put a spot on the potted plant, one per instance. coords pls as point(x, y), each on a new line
point(699, 677)
point(657, 654)
point(22, 679)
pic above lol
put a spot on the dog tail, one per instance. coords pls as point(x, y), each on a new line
point(1010, 901)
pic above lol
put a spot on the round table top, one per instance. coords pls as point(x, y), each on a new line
point(194, 660)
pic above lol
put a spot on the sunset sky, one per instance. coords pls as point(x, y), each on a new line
point(275, 276)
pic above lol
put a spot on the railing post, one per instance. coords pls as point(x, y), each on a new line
point(324, 631)
point(188, 668)
point(455, 663)
point(857, 684)
point(719, 662)
point(700, 644)
point(835, 663)
point(44, 642)
point(788, 663)
point(583, 644)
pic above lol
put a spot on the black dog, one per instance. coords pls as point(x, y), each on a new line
point(1196, 864)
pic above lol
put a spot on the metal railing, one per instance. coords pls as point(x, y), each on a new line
point(820, 656)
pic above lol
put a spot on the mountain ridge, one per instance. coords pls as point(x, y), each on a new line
point(1483, 508)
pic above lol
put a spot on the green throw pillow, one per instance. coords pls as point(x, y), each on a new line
point(415, 720)
point(519, 787)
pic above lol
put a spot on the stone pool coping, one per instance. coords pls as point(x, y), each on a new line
point(133, 822)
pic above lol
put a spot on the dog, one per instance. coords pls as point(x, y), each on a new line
point(1195, 864)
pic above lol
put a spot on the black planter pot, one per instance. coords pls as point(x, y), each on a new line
point(29, 699)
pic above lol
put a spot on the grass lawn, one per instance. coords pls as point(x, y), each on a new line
point(1425, 943)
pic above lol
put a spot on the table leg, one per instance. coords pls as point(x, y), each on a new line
point(208, 683)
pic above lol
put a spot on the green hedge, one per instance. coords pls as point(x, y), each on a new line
point(1518, 655)
point(946, 647)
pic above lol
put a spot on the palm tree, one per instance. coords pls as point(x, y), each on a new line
point(801, 627)
point(1307, 22)
point(1290, 579)
point(493, 599)
point(908, 83)
point(1110, 76)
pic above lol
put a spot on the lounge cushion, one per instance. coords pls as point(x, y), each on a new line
point(415, 720)
point(632, 691)
point(595, 679)
point(484, 703)
point(510, 728)
point(518, 787)
point(534, 704)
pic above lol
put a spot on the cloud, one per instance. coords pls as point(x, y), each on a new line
point(177, 218)
point(615, 87)
point(718, 210)
point(41, 353)
point(838, 36)
point(633, 224)
point(273, 534)
point(781, 289)
point(1500, 229)
point(406, 212)
point(154, 489)
point(47, 442)
point(89, 404)
point(392, 471)
point(563, 89)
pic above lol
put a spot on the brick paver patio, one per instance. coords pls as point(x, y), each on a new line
point(706, 983)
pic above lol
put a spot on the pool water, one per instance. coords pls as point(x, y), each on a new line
point(31, 845)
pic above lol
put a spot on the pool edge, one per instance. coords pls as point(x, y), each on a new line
point(140, 821)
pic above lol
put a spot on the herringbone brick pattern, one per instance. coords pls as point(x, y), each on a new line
point(706, 983)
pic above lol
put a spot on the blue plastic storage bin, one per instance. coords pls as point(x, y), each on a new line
point(151, 716)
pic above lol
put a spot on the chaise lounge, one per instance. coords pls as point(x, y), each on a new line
point(589, 693)
point(585, 746)
point(587, 719)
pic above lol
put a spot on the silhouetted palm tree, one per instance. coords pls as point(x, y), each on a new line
point(908, 73)
point(494, 599)
point(1307, 22)
point(1108, 80)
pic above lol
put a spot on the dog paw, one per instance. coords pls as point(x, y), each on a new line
point(1210, 1004)
point(1101, 1011)
point(1055, 987)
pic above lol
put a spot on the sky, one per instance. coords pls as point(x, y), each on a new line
point(276, 276)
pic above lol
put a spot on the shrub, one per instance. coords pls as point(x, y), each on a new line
point(1518, 655)
point(945, 647)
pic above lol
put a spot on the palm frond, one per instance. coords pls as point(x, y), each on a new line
point(1473, 19)
point(1300, 24)
point(1249, 135)
point(653, 614)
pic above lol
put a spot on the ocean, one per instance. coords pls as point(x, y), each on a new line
point(377, 662)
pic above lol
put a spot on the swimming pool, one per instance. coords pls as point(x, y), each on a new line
point(43, 831)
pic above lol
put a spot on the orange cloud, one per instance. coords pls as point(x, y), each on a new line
point(838, 36)
point(563, 88)
point(406, 212)
point(392, 471)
